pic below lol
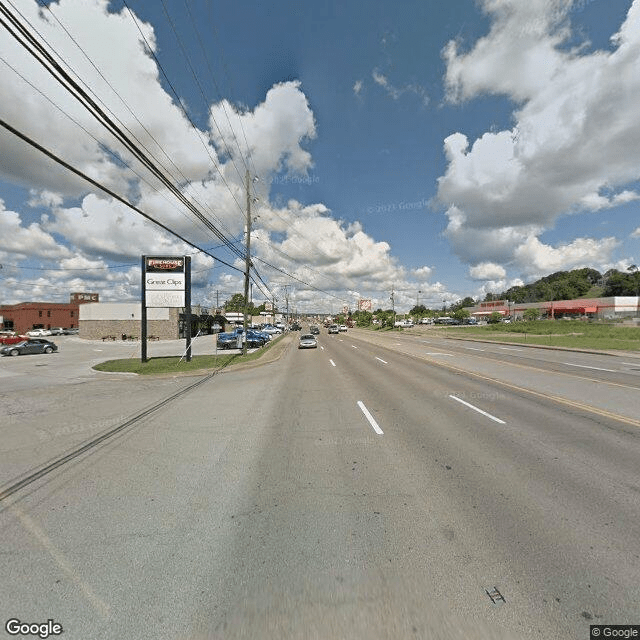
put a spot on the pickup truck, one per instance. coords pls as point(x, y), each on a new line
point(403, 323)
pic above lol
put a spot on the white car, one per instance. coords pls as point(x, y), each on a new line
point(343, 327)
point(272, 330)
point(38, 333)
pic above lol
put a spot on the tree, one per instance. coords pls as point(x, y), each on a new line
point(461, 314)
point(531, 314)
point(494, 318)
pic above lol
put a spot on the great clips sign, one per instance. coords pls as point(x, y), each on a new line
point(164, 281)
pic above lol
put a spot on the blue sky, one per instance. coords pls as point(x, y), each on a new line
point(452, 148)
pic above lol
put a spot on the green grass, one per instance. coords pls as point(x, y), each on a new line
point(558, 333)
point(172, 364)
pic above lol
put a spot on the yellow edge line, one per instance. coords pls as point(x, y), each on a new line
point(571, 403)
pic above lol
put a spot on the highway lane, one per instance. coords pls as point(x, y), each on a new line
point(266, 505)
point(554, 493)
point(622, 368)
point(579, 380)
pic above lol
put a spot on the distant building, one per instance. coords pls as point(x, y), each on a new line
point(24, 316)
point(596, 308)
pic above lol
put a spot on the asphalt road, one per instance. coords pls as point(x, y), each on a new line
point(358, 490)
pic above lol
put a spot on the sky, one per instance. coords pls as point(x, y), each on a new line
point(432, 149)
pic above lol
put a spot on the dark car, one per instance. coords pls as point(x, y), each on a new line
point(296, 327)
point(37, 345)
point(314, 330)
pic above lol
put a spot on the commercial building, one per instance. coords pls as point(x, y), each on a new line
point(108, 320)
point(24, 316)
point(590, 308)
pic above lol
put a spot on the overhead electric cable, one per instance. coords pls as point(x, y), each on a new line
point(179, 103)
point(124, 103)
point(108, 191)
point(55, 69)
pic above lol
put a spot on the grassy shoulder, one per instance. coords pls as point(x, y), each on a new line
point(173, 364)
point(559, 333)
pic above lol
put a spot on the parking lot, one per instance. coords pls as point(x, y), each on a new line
point(75, 358)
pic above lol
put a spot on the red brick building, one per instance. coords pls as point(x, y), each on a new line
point(25, 316)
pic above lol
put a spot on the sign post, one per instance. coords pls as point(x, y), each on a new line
point(166, 282)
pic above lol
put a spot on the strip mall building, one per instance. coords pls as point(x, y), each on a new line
point(591, 308)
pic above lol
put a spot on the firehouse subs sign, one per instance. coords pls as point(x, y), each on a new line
point(164, 281)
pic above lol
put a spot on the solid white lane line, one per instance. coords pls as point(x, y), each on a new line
point(473, 348)
point(484, 413)
point(370, 418)
point(510, 348)
point(438, 353)
point(332, 362)
point(632, 364)
point(381, 360)
point(584, 366)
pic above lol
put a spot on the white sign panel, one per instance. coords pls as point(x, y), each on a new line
point(164, 298)
point(161, 281)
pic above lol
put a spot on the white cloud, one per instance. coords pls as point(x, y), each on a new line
point(394, 92)
point(574, 147)
point(31, 240)
point(423, 272)
point(487, 271)
point(357, 87)
point(636, 233)
point(535, 258)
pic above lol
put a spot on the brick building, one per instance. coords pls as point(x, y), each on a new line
point(24, 316)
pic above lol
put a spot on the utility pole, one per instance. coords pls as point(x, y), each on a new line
point(247, 264)
point(286, 298)
point(393, 305)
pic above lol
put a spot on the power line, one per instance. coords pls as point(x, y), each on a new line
point(108, 191)
point(113, 89)
point(56, 70)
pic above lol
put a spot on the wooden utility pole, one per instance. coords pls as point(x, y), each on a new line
point(247, 267)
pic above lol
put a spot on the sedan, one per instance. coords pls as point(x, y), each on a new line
point(333, 328)
point(307, 341)
point(343, 327)
point(37, 333)
point(29, 346)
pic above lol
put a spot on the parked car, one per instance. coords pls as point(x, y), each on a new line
point(333, 328)
point(403, 323)
point(58, 331)
point(307, 341)
point(343, 327)
point(271, 330)
point(9, 337)
point(38, 333)
point(29, 346)
point(73, 332)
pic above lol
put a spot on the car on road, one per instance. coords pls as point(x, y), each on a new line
point(343, 327)
point(314, 330)
point(296, 327)
point(307, 341)
point(25, 347)
point(333, 328)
